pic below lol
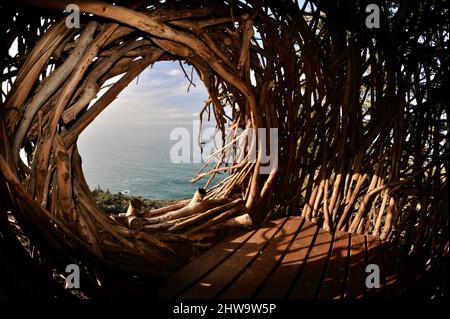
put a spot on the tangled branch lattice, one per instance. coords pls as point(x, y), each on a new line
point(361, 117)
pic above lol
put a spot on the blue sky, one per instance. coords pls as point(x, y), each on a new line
point(158, 94)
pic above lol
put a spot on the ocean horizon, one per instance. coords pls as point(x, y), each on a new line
point(136, 159)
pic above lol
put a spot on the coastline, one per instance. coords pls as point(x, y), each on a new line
point(117, 203)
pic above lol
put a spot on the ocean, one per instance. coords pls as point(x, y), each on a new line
point(136, 159)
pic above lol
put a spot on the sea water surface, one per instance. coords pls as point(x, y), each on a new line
point(137, 159)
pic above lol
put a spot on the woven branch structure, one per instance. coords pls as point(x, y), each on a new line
point(361, 114)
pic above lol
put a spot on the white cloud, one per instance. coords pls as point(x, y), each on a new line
point(173, 72)
point(171, 110)
point(181, 89)
point(178, 115)
point(155, 82)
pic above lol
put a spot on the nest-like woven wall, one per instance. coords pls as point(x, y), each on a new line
point(361, 117)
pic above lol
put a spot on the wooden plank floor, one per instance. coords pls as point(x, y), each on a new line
point(292, 258)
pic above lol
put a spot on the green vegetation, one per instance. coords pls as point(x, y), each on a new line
point(118, 203)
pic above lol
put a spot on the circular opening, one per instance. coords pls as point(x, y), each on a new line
point(127, 148)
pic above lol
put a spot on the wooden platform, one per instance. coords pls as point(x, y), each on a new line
point(292, 258)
